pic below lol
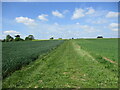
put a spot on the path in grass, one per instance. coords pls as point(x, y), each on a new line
point(68, 66)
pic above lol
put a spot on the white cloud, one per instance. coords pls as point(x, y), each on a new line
point(114, 29)
point(25, 20)
point(90, 10)
point(77, 23)
point(11, 32)
point(78, 13)
point(57, 14)
point(114, 26)
point(112, 14)
point(43, 17)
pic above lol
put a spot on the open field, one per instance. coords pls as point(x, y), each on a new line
point(102, 47)
point(74, 64)
point(104, 50)
point(18, 54)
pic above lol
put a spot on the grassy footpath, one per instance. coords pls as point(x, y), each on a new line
point(68, 66)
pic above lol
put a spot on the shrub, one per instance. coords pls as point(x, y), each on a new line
point(100, 37)
point(27, 38)
point(17, 36)
point(51, 38)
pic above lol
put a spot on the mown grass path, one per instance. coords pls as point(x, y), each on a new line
point(68, 66)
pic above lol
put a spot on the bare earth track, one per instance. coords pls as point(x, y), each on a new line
point(107, 59)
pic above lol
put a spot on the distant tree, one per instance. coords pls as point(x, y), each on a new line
point(31, 37)
point(51, 38)
point(18, 39)
point(17, 36)
point(99, 36)
point(27, 38)
point(72, 38)
point(9, 38)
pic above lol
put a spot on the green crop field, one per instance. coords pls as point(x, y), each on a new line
point(80, 63)
point(18, 54)
point(102, 47)
point(104, 50)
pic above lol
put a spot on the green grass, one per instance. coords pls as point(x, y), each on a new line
point(67, 66)
point(18, 54)
point(102, 47)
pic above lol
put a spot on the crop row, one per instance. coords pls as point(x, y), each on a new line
point(17, 54)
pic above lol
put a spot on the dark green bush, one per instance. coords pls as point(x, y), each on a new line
point(30, 37)
point(18, 39)
point(27, 38)
point(51, 38)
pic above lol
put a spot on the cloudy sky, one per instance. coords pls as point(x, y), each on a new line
point(60, 19)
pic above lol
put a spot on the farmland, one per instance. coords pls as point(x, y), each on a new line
point(102, 47)
point(104, 50)
point(76, 63)
point(19, 54)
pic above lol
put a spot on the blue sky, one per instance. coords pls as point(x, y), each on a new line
point(60, 19)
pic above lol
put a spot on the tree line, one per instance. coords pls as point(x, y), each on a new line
point(17, 38)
